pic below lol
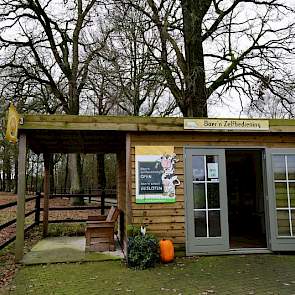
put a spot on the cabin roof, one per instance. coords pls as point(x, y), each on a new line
point(107, 134)
point(128, 123)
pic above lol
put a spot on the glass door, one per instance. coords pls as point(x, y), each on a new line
point(206, 201)
point(281, 198)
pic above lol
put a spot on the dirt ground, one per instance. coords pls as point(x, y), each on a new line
point(7, 264)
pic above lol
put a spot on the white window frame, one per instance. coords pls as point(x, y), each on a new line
point(207, 209)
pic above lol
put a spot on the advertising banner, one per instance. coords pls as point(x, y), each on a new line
point(155, 179)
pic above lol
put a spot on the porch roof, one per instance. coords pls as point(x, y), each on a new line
point(89, 134)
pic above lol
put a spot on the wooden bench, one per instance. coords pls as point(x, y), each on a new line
point(100, 231)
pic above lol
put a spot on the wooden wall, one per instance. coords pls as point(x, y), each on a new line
point(168, 220)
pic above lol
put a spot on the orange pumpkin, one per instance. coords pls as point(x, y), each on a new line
point(166, 251)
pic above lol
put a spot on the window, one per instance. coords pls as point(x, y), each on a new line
point(284, 184)
point(206, 196)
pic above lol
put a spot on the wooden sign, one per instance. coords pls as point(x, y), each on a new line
point(12, 124)
point(226, 124)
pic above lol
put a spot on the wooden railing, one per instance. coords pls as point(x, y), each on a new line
point(8, 223)
point(104, 201)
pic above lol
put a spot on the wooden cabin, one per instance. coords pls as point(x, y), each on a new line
point(210, 185)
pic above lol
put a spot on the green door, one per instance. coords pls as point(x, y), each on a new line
point(281, 198)
point(206, 201)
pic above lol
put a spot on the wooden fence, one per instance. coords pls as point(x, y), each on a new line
point(3, 226)
point(104, 200)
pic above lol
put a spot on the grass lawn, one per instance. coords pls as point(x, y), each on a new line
point(251, 274)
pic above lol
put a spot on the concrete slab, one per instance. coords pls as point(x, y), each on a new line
point(75, 243)
point(65, 249)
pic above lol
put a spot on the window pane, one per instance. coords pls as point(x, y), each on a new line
point(199, 196)
point(279, 167)
point(293, 221)
point(291, 167)
point(198, 168)
point(292, 194)
point(283, 223)
point(212, 167)
point(214, 224)
point(281, 195)
point(213, 195)
point(200, 224)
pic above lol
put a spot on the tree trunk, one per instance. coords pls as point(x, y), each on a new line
point(1, 182)
point(32, 175)
point(8, 189)
point(75, 176)
point(7, 169)
point(37, 175)
point(15, 170)
point(101, 171)
point(195, 98)
point(66, 174)
point(51, 173)
point(101, 174)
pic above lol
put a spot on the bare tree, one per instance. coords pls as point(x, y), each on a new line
point(207, 48)
point(268, 105)
point(127, 79)
point(51, 48)
point(137, 73)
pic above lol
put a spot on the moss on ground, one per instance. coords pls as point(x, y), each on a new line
point(66, 229)
point(251, 274)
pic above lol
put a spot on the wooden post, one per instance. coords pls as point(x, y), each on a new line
point(128, 195)
point(128, 181)
point(102, 202)
point(46, 194)
point(37, 208)
point(21, 191)
point(121, 192)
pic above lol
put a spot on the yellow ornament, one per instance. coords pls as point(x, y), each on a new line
point(12, 124)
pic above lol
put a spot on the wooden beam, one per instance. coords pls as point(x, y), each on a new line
point(21, 190)
point(128, 180)
point(99, 119)
point(129, 123)
point(115, 123)
point(101, 126)
point(46, 194)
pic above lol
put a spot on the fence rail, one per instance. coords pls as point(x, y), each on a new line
point(12, 238)
point(105, 200)
point(13, 221)
point(89, 191)
point(11, 204)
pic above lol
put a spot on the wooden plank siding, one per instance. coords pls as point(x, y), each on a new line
point(168, 220)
